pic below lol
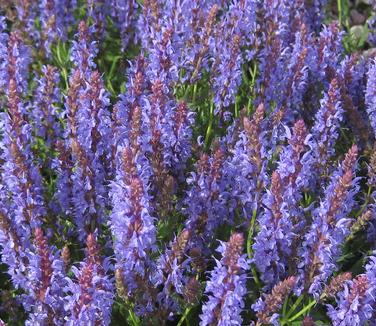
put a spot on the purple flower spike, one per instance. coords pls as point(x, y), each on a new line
point(89, 299)
point(227, 285)
point(276, 227)
point(98, 11)
point(132, 100)
point(268, 306)
point(21, 193)
point(315, 13)
point(132, 225)
point(325, 131)
point(371, 95)
point(295, 83)
point(84, 49)
point(329, 46)
point(45, 110)
point(270, 55)
point(56, 16)
point(228, 77)
point(200, 41)
point(27, 11)
point(46, 281)
point(124, 13)
point(88, 148)
point(11, 254)
point(15, 62)
point(20, 175)
point(354, 302)
point(207, 200)
point(182, 128)
point(63, 165)
point(292, 166)
point(3, 54)
point(282, 219)
point(331, 225)
point(371, 34)
point(234, 32)
point(172, 266)
point(148, 24)
point(249, 163)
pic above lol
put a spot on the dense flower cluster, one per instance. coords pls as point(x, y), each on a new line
point(137, 135)
point(227, 285)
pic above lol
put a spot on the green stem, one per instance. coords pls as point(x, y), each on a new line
point(184, 317)
point(133, 318)
point(210, 125)
point(285, 306)
point(365, 202)
point(113, 66)
point(249, 106)
point(339, 7)
point(194, 92)
point(250, 234)
point(249, 247)
point(58, 53)
point(255, 277)
point(186, 92)
point(253, 72)
point(236, 108)
point(303, 311)
point(295, 305)
point(65, 77)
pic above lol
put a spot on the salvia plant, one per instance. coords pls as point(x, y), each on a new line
point(187, 162)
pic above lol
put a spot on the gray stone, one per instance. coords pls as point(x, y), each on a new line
point(370, 53)
point(356, 17)
point(357, 31)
